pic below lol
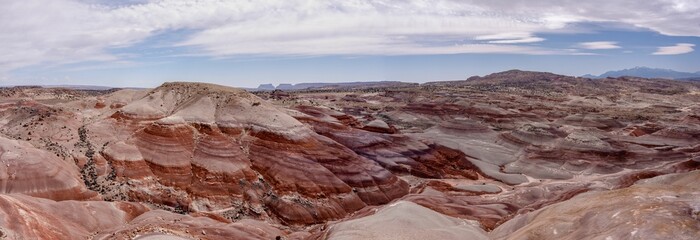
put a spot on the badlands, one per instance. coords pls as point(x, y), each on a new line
point(511, 155)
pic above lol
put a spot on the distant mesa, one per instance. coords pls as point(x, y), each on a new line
point(266, 87)
point(514, 76)
point(646, 72)
point(285, 86)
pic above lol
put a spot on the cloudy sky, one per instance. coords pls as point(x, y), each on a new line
point(142, 43)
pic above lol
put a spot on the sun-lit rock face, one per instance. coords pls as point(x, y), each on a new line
point(25, 169)
point(665, 207)
point(202, 147)
point(25, 217)
point(405, 220)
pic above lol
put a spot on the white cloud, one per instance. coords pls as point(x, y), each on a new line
point(361, 27)
point(510, 38)
point(669, 17)
point(522, 40)
point(65, 31)
point(59, 32)
point(598, 45)
point(680, 48)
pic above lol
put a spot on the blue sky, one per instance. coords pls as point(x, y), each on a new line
point(139, 43)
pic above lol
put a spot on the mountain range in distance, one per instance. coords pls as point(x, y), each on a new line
point(646, 72)
point(643, 72)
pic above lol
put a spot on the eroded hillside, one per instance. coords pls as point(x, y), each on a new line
point(512, 155)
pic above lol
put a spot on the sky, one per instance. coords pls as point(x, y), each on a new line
point(244, 43)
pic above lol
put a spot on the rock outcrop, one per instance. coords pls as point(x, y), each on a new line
point(25, 169)
point(200, 147)
point(25, 217)
point(405, 220)
point(665, 207)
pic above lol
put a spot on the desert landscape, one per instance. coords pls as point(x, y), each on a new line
point(510, 155)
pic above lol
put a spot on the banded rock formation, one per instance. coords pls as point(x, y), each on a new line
point(200, 147)
point(489, 157)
